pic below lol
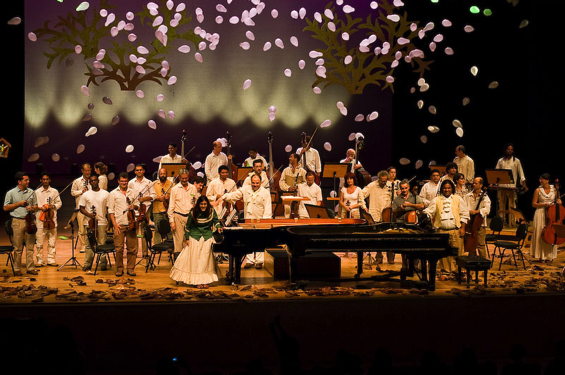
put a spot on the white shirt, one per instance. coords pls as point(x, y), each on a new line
point(264, 179)
point(429, 191)
point(257, 204)
point(313, 193)
point(465, 166)
point(212, 164)
point(98, 200)
point(379, 198)
point(249, 161)
point(484, 208)
point(287, 174)
point(143, 187)
point(514, 165)
point(168, 159)
point(103, 181)
point(42, 196)
point(219, 187)
point(118, 205)
point(76, 189)
point(447, 218)
point(313, 161)
point(182, 200)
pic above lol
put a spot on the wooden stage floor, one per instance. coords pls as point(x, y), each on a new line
point(150, 318)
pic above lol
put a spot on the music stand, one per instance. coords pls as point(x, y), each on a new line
point(73, 260)
point(440, 168)
point(518, 215)
point(317, 212)
point(500, 176)
point(173, 169)
point(333, 170)
point(243, 172)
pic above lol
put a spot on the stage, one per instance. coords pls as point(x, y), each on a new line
point(149, 317)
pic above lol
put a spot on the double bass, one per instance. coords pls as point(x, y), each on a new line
point(555, 214)
point(191, 170)
point(305, 147)
point(232, 168)
point(363, 177)
point(473, 227)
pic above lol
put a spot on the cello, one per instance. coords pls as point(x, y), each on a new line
point(554, 214)
point(472, 229)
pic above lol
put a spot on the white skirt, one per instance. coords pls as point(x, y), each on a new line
point(196, 264)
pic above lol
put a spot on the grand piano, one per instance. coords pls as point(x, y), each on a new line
point(409, 240)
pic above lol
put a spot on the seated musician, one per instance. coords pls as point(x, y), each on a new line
point(405, 202)
point(256, 205)
point(379, 194)
point(479, 206)
point(253, 155)
point(449, 214)
point(257, 170)
point(290, 178)
point(310, 190)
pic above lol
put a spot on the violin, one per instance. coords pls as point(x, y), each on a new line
point(47, 216)
point(472, 228)
point(132, 223)
point(142, 211)
point(165, 201)
point(555, 214)
point(92, 229)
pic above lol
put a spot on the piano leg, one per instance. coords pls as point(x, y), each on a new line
point(432, 279)
point(233, 275)
point(424, 269)
point(359, 264)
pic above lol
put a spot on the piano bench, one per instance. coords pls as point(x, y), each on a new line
point(472, 263)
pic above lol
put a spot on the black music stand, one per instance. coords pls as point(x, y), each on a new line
point(333, 170)
point(317, 212)
point(73, 260)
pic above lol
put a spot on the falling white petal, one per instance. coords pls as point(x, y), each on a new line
point(419, 164)
point(288, 148)
point(250, 35)
point(184, 48)
point(130, 167)
point(433, 129)
point(393, 17)
point(267, 46)
point(93, 130)
point(279, 43)
point(493, 85)
point(449, 51)
point(247, 84)
point(287, 72)
point(245, 45)
point(347, 59)
point(474, 70)
point(317, 90)
point(301, 64)
point(457, 123)
point(152, 124)
point(423, 139)
point(359, 117)
point(198, 57)
point(84, 89)
point(459, 132)
point(115, 120)
point(129, 149)
point(326, 123)
point(294, 41)
point(80, 149)
point(373, 116)
point(404, 161)
point(83, 6)
point(274, 13)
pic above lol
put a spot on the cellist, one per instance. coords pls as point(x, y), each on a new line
point(544, 197)
point(48, 202)
point(479, 207)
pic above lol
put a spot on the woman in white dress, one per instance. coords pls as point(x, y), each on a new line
point(196, 264)
point(350, 197)
point(544, 197)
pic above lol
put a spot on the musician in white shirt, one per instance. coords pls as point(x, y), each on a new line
point(310, 157)
point(465, 165)
point(310, 190)
point(79, 187)
point(220, 186)
point(507, 197)
point(349, 159)
point(430, 189)
point(291, 176)
point(214, 160)
point(257, 205)
point(478, 204)
point(258, 170)
point(183, 197)
point(253, 155)
point(171, 157)
point(144, 195)
point(48, 200)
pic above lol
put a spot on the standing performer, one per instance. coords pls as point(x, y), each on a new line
point(257, 205)
point(379, 193)
point(451, 170)
point(79, 187)
point(449, 214)
point(172, 156)
point(310, 190)
point(101, 169)
point(479, 206)
point(220, 186)
point(48, 201)
point(258, 170)
point(544, 197)
point(395, 183)
point(21, 202)
point(144, 194)
point(349, 159)
point(460, 185)
point(290, 178)
point(161, 192)
point(465, 165)
point(350, 197)
point(253, 155)
point(310, 157)
point(213, 161)
point(183, 197)
point(431, 188)
point(93, 204)
point(120, 210)
point(195, 264)
point(507, 198)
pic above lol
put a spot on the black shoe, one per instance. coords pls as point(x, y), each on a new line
point(131, 273)
point(86, 268)
point(119, 273)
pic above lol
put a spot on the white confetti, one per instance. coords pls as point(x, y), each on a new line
point(129, 149)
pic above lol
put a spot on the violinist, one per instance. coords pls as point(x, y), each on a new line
point(310, 157)
point(214, 160)
point(48, 201)
point(144, 195)
point(93, 205)
point(290, 178)
point(479, 206)
point(162, 192)
point(21, 201)
point(120, 213)
point(258, 170)
point(544, 197)
point(220, 186)
point(79, 187)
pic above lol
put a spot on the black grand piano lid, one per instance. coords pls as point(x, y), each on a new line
point(393, 229)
